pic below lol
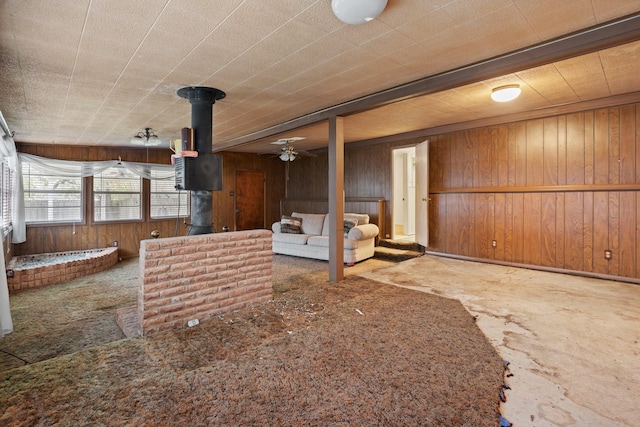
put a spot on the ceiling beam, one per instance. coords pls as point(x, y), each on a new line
point(593, 39)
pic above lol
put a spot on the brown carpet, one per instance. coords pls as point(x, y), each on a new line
point(353, 353)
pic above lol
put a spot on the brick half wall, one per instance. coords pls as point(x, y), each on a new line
point(202, 276)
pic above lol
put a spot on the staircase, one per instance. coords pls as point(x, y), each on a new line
point(397, 251)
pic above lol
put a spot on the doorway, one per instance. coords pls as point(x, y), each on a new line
point(404, 195)
point(250, 196)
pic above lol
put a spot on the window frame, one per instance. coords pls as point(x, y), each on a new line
point(186, 193)
point(142, 207)
point(83, 192)
point(7, 178)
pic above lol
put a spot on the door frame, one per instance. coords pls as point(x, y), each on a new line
point(409, 189)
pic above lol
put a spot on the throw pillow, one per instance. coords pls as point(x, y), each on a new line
point(290, 224)
point(348, 225)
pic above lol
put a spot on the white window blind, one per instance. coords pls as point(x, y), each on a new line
point(167, 202)
point(6, 198)
point(117, 195)
point(49, 198)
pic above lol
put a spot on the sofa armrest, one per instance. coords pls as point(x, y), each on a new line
point(275, 227)
point(363, 232)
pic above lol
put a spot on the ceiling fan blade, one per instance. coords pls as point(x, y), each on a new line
point(283, 141)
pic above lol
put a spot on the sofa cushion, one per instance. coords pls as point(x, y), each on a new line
point(361, 218)
point(323, 241)
point(348, 225)
point(298, 239)
point(290, 224)
point(311, 223)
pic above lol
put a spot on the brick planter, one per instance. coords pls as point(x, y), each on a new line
point(200, 277)
point(58, 267)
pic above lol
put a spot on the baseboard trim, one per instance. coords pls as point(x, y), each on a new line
point(632, 280)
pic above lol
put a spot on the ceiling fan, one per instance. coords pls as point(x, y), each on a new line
point(288, 153)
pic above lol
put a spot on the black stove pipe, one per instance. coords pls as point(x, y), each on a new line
point(202, 100)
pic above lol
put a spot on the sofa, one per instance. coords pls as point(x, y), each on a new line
point(307, 235)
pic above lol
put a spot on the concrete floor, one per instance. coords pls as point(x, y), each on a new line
point(573, 343)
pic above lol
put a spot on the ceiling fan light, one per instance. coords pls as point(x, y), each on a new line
point(356, 12)
point(284, 157)
point(146, 138)
point(292, 157)
point(505, 93)
point(153, 140)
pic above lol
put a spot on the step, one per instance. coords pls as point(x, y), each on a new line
point(400, 244)
point(396, 255)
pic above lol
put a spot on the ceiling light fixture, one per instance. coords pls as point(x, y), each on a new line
point(505, 93)
point(146, 138)
point(356, 12)
point(288, 154)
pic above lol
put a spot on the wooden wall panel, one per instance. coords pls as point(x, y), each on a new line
point(554, 192)
point(628, 226)
point(614, 232)
point(436, 212)
point(550, 151)
point(532, 230)
point(588, 232)
point(600, 216)
point(601, 147)
point(559, 237)
point(575, 148)
point(483, 167)
point(589, 148)
point(562, 150)
point(614, 146)
point(535, 153)
point(502, 156)
point(520, 154)
point(499, 226)
point(627, 159)
point(574, 231)
point(548, 235)
point(518, 236)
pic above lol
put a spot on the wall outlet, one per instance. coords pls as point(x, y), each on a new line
point(607, 254)
point(494, 244)
point(115, 243)
point(193, 322)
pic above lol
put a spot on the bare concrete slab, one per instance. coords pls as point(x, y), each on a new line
point(572, 343)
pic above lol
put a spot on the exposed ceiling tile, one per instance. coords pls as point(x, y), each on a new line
point(95, 73)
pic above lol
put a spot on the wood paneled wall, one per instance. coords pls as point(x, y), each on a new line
point(367, 176)
point(89, 235)
point(553, 192)
point(224, 201)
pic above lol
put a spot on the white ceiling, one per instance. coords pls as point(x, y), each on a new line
point(96, 72)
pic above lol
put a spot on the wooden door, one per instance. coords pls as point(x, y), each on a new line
point(250, 200)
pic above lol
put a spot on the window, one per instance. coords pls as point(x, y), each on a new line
point(166, 201)
point(6, 178)
point(116, 195)
point(49, 198)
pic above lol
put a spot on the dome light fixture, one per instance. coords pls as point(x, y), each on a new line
point(506, 93)
point(356, 12)
point(146, 138)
